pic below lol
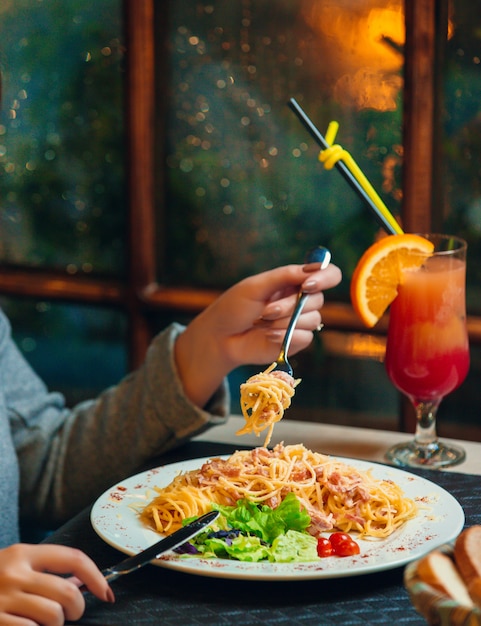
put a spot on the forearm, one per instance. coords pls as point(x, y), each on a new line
point(200, 362)
point(108, 439)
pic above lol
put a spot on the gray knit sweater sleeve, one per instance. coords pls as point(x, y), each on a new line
point(67, 457)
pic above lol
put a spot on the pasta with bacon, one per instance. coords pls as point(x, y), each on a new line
point(264, 397)
point(334, 494)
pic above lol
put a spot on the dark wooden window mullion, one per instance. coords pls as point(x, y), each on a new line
point(438, 197)
point(139, 23)
point(418, 133)
point(418, 115)
point(426, 25)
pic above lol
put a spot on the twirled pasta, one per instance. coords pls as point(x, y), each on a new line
point(264, 397)
point(336, 495)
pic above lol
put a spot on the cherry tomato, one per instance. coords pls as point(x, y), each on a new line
point(337, 538)
point(324, 547)
point(347, 548)
point(343, 545)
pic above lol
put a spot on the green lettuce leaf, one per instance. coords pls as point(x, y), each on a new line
point(252, 532)
point(242, 548)
point(294, 547)
point(265, 522)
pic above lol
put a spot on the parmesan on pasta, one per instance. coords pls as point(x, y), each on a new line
point(264, 397)
point(334, 494)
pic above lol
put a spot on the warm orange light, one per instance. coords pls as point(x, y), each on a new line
point(365, 43)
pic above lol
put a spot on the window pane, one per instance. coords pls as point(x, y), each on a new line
point(61, 135)
point(78, 350)
point(245, 190)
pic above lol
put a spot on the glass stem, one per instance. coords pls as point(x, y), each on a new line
point(426, 439)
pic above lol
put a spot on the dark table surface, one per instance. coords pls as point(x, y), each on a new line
point(154, 595)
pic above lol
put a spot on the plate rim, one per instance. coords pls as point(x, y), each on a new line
point(230, 569)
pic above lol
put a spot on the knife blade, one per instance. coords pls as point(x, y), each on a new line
point(167, 543)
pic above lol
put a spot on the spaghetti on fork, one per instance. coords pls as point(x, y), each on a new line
point(264, 398)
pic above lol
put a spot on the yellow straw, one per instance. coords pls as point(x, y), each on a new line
point(334, 153)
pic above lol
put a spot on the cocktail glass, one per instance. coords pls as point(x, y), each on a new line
point(427, 352)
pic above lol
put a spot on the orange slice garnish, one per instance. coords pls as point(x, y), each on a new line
point(378, 274)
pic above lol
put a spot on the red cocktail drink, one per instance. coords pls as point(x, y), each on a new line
point(427, 352)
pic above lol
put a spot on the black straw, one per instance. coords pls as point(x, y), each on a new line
point(342, 167)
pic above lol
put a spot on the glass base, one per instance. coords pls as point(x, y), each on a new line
point(433, 456)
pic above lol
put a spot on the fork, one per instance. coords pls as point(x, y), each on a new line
point(317, 255)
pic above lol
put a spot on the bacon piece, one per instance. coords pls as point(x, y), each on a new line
point(287, 378)
point(300, 474)
point(320, 522)
point(355, 518)
point(348, 483)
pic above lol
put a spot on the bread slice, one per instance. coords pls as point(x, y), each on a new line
point(467, 554)
point(439, 571)
point(474, 588)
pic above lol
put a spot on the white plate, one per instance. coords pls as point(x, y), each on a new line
point(440, 520)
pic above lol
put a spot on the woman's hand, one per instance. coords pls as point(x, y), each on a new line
point(31, 592)
point(247, 323)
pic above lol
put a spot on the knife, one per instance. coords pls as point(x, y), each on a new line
point(167, 543)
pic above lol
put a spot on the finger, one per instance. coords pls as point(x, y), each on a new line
point(322, 279)
point(309, 321)
point(282, 309)
point(8, 619)
point(276, 330)
point(261, 345)
point(301, 339)
point(66, 560)
point(278, 282)
point(314, 286)
point(54, 596)
point(30, 608)
point(283, 281)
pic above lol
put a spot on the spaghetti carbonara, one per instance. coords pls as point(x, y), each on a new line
point(335, 495)
point(264, 397)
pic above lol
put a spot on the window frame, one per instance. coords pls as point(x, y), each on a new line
point(141, 295)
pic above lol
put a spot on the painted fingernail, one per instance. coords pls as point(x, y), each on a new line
point(274, 335)
point(311, 267)
point(310, 284)
point(110, 596)
point(271, 313)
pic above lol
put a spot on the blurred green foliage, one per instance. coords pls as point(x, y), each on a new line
point(62, 135)
point(245, 189)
